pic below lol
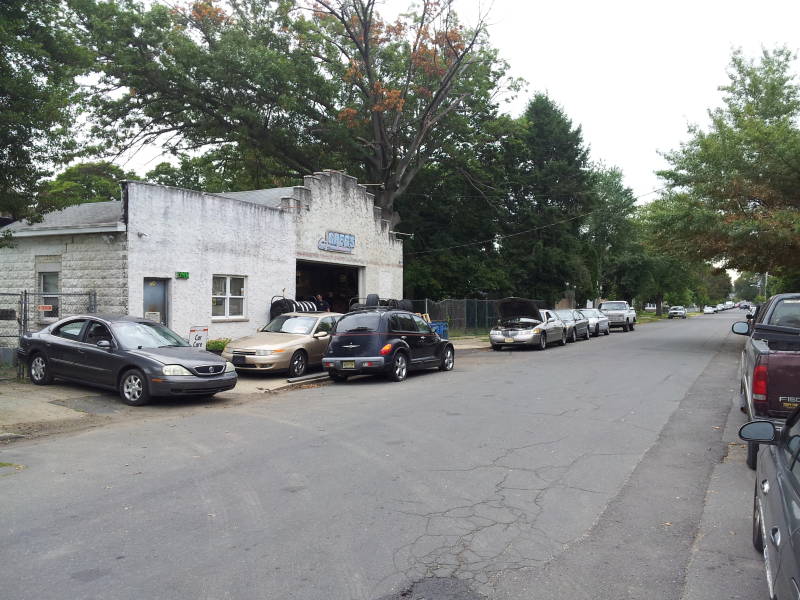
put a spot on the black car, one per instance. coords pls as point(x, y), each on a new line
point(776, 518)
point(390, 342)
point(137, 357)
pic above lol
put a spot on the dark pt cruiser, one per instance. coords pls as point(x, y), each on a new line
point(137, 357)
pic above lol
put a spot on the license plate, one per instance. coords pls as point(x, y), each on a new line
point(509, 340)
point(239, 360)
point(348, 364)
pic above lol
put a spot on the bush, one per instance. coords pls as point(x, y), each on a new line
point(217, 345)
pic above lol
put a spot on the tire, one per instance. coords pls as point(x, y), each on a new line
point(588, 334)
point(298, 364)
point(758, 534)
point(39, 370)
point(607, 331)
point(683, 317)
point(542, 342)
point(497, 347)
point(597, 330)
point(563, 341)
point(337, 377)
point(448, 359)
point(399, 369)
point(632, 324)
point(133, 388)
point(626, 327)
point(752, 455)
point(669, 317)
point(573, 337)
point(373, 300)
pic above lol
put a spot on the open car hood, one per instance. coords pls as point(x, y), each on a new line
point(514, 308)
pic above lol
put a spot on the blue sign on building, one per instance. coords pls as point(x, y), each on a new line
point(337, 242)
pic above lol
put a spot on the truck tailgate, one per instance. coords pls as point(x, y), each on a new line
point(783, 389)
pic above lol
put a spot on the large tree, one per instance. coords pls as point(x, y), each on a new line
point(84, 182)
point(39, 61)
point(734, 194)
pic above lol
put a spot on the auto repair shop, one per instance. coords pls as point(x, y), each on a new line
point(189, 258)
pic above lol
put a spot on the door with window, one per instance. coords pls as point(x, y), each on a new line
point(155, 300)
point(403, 325)
point(48, 290)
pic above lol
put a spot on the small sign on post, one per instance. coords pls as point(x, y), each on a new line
point(44, 307)
point(198, 336)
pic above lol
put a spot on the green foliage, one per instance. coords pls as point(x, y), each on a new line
point(83, 182)
point(39, 60)
point(217, 345)
point(734, 187)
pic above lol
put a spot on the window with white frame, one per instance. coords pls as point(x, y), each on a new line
point(48, 284)
point(227, 296)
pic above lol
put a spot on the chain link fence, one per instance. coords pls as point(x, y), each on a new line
point(464, 316)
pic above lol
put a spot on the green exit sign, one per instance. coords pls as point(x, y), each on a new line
point(182, 275)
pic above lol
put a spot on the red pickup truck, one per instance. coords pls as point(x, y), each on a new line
point(770, 365)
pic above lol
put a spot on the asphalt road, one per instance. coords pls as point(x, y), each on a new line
point(578, 472)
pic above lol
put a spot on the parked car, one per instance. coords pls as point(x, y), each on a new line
point(619, 313)
point(676, 312)
point(769, 368)
point(709, 310)
point(137, 357)
point(598, 321)
point(776, 496)
point(289, 343)
point(385, 341)
point(720, 307)
point(523, 323)
point(577, 324)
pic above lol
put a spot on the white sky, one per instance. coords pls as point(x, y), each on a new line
point(632, 73)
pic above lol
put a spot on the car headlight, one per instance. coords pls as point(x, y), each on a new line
point(229, 368)
point(268, 352)
point(537, 330)
point(175, 370)
point(495, 332)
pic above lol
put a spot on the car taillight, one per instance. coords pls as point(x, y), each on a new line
point(760, 384)
point(386, 349)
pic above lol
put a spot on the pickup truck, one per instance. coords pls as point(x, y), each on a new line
point(769, 369)
point(619, 313)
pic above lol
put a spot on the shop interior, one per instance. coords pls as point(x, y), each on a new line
point(336, 283)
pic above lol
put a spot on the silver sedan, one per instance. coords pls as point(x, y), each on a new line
point(598, 322)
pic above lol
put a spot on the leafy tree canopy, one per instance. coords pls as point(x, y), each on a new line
point(84, 182)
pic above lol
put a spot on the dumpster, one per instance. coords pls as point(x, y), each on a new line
point(440, 327)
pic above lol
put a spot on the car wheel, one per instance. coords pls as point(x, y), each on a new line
point(133, 388)
point(542, 341)
point(399, 369)
point(337, 377)
point(626, 327)
point(669, 317)
point(448, 359)
point(597, 331)
point(574, 336)
point(298, 364)
point(632, 324)
point(752, 455)
point(758, 534)
point(563, 340)
point(588, 334)
point(39, 370)
point(607, 331)
point(496, 347)
point(683, 317)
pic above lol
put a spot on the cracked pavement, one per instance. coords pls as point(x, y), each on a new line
point(484, 482)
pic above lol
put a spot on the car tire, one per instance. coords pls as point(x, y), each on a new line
point(758, 534)
point(298, 364)
point(563, 340)
point(448, 359)
point(399, 368)
point(632, 324)
point(597, 331)
point(752, 455)
point(133, 389)
point(573, 337)
point(626, 327)
point(542, 342)
point(669, 317)
point(683, 317)
point(588, 334)
point(497, 347)
point(39, 370)
point(337, 377)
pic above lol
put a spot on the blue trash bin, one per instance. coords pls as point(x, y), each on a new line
point(440, 327)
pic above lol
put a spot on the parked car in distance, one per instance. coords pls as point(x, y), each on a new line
point(720, 307)
point(676, 312)
point(619, 313)
point(776, 496)
point(138, 358)
point(289, 343)
point(769, 368)
point(385, 341)
point(522, 323)
point(598, 321)
point(709, 310)
point(577, 324)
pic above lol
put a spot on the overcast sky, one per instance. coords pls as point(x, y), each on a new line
point(633, 74)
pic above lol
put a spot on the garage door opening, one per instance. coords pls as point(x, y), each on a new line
point(337, 283)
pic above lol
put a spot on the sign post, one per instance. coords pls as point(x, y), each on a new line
point(198, 336)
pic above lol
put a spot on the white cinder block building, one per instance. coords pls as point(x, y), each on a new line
point(190, 258)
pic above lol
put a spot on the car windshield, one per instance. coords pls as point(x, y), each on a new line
point(589, 312)
point(676, 308)
point(614, 306)
point(291, 324)
point(358, 322)
point(146, 335)
point(565, 314)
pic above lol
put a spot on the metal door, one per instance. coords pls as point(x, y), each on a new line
point(155, 300)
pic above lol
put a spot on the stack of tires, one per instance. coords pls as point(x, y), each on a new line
point(373, 300)
point(286, 305)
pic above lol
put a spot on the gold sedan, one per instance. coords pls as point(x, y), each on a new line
point(290, 342)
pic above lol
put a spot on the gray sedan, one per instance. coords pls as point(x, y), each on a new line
point(523, 323)
point(577, 324)
point(598, 322)
point(136, 357)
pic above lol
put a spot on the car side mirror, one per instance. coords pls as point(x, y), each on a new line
point(741, 327)
point(321, 334)
point(105, 344)
point(763, 432)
